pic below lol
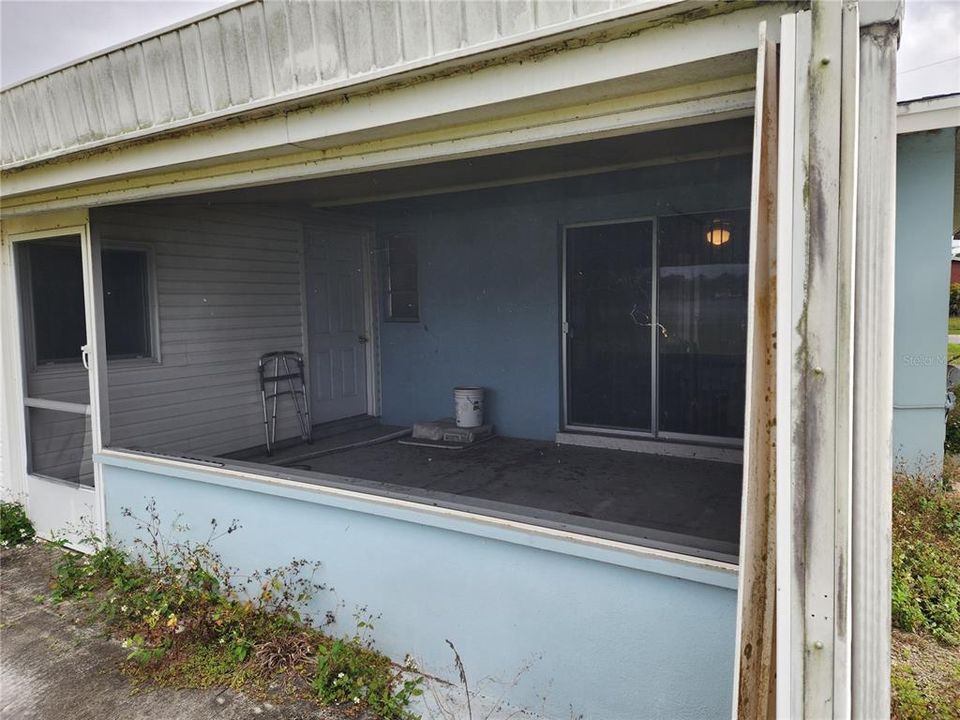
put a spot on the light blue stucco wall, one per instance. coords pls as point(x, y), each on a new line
point(611, 634)
point(925, 196)
point(489, 275)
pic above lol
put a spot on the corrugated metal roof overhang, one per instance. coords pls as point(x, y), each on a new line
point(259, 56)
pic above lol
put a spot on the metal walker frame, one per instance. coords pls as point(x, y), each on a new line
point(296, 389)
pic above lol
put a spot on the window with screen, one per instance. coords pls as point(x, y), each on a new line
point(403, 296)
point(126, 303)
point(56, 305)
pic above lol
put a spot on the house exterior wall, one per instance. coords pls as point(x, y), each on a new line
point(671, 673)
point(603, 632)
point(490, 285)
point(925, 176)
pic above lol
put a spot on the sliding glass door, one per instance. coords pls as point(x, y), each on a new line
point(609, 289)
point(655, 318)
point(703, 311)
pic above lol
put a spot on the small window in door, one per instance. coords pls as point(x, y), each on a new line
point(54, 304)
point(403, 294)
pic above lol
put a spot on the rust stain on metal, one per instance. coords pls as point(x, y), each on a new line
point(755, 691)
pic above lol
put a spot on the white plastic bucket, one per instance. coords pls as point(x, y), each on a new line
point(468, 401)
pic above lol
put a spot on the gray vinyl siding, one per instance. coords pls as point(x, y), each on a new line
point(228, 289)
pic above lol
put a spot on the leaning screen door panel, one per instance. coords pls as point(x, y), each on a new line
point(609, 295)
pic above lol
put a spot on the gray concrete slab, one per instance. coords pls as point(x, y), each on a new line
point(57, 662)
point(670, 502)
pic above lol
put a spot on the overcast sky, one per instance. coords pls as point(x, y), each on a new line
point(36, 35)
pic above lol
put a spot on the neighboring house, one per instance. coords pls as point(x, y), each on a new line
point(659, 234)
point(928, 215)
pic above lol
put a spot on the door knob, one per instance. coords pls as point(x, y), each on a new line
point(362, 339)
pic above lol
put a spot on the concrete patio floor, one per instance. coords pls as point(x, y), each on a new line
point(56, 663)
point(686, 505)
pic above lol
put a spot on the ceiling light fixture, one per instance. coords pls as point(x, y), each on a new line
point(718, 233)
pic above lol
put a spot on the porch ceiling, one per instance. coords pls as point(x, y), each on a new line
point(729, 137)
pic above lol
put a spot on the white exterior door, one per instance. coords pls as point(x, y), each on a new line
point(337, 334)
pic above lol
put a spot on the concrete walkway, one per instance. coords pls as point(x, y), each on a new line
point(56, 663)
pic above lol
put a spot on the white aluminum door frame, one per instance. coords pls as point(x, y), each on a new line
point(655, 434)
point(566, 425)
point(39, 492)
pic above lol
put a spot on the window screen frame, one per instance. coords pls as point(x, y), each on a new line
point(152, 310)
point(389, 264)
point(152, 314)
point(25, 297)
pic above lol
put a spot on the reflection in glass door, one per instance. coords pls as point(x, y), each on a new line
point(702, 287)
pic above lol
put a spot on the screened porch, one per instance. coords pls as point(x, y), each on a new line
point(596, 291)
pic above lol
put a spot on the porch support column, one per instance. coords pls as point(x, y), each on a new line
point(873, 373)
point(815, 348)
point(835, 363)
point(823, 362)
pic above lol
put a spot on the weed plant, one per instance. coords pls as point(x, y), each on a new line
point(188, 619)
point(15, 526)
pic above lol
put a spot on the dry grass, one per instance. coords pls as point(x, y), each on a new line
point(925, 656)
point(926, 678)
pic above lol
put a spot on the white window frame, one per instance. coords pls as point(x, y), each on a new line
point(388, 312)
point(154, 357)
